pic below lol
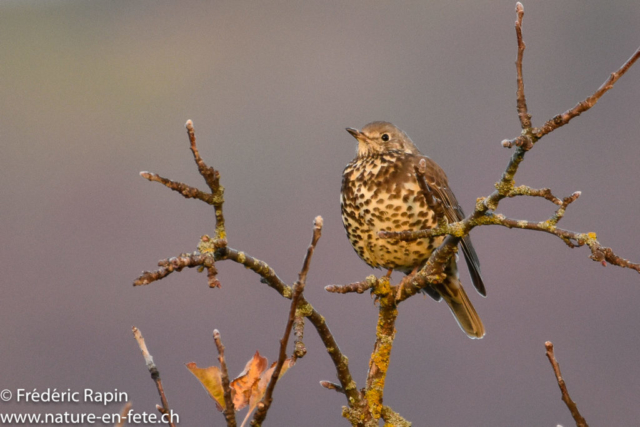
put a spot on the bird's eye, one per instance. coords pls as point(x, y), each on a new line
point(385, 137)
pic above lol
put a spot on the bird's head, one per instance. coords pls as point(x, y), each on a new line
point(381, 137)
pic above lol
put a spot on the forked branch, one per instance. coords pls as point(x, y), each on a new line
point(366, 408)
point(298, 289)
point(211, 250)
point(483, 213)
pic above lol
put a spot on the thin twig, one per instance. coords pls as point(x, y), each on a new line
point(332, 386)
point(298, 289)
point(155, 374)
point(265, 403)
point(340, 361)
point(298, 325)
point(523, 114)
point(218, 246)
point(229, 410)
point(267, 273)
point(124, 413)
point(524, 190)
point(269, 277)
point(573, 408)
point(169, 265)
point(581, 107)
point(185, 190)
point(358, 287)
point(299, 349)
point(317, 233)
point(212, 178)
point(505, 187)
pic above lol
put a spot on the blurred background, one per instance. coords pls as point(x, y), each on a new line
point(94, 92)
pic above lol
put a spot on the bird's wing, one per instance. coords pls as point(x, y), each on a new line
point(439, 185)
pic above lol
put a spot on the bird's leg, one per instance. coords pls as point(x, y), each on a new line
point(399, 292)
point(388, 276)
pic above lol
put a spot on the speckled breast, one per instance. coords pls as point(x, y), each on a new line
point(381, 192)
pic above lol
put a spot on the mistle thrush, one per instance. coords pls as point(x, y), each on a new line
point(380, 191)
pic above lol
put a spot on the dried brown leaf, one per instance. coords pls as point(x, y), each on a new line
point(260, 387)
point(244, 383)
point(211, 380)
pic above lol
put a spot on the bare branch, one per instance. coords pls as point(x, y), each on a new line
point(212, 178)
point(332, 386)
point(169, 265)
point(523, 114)
point(261, 268)
point(185, 190)
point(124, 412)
point(505, 188)
point(298, 289)
point(155, 374)
point(381, 355)
point(218, 247)
point(358, 287)
point(365, 410)
point(229, 412)
point(340, 361)
point(298, 325)
point(524, 190)
point(317, 232)
point(599, 253)
point(305, 309)
point(265, 403)
point(573, 408)
point(581, 107)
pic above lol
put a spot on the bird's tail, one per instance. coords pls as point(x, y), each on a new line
point(462, 309)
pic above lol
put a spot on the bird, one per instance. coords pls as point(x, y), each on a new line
point(380, 192)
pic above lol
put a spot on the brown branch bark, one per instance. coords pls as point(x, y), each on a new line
point(265, 403)
point(212, 178)
point(523, 113)
point(573, 408)
point(124, 412)
point(169, 265)
point(365, 410)
point(581, 107)
point(229, 411)
point(332, 386)
point(298, 289)
point(317, 320)
point(483, 212)
point(545, 193)
point(155, 375)
point(261, 268)
point(357, 287)
point(381, 356)
point(298, 326)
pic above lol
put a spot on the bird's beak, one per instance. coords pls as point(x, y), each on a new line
point(357, 134)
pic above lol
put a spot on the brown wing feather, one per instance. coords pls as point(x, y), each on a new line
point(439, 184)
